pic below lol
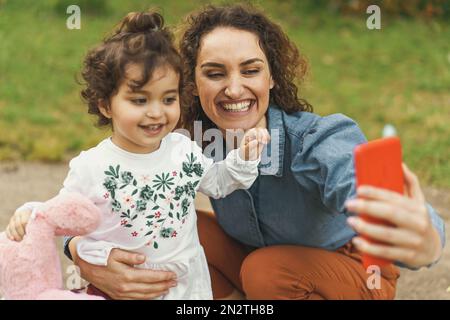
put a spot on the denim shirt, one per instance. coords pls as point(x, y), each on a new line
point(305, 176)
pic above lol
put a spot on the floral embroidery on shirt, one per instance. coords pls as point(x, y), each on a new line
point(166, 198)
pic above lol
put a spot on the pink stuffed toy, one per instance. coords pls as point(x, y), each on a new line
point(31, 269)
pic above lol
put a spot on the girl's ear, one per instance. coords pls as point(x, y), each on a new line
point(271, 82)
point(103, 106)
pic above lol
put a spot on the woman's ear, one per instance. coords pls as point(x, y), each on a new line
point(271, 82)
point(103, 106)
point(194, 91)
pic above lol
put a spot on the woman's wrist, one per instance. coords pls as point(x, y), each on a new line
point(80, 263)
point(72, 246)
point(438, 246)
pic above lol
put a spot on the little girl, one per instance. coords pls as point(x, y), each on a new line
point(144, 177)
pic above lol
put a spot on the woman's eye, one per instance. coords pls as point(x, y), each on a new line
point(214, 75)
point(170, 100)
point(251, 71)
point(139, 101)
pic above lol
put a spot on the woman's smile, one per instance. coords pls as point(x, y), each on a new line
point(236, 106)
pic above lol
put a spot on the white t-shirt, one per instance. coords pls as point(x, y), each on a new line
point(147, 202)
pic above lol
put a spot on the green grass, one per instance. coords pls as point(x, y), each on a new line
point(399, 75)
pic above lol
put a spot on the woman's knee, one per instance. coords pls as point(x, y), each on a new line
point(264, 277)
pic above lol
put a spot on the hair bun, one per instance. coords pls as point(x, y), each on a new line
point(138, 22)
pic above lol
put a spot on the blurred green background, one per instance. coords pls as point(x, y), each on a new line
point(398, 75)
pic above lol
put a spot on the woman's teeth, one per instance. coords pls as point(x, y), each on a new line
point(237, 107)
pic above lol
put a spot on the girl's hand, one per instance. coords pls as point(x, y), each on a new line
point(253, 143)
point(15, 230)
point(413, 241)
point(120, 279)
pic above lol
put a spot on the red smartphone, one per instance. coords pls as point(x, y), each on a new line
point(378, 163)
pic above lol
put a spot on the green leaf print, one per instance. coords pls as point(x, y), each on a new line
point(166, 232)
point(125, 215)
point(179, 192)
point(141, 205)
point(110, 184)
point(163, 182)
point(116, 205)
point(114, 173)
point(191, 166)
point(126, 177)
point(146, 193)
point(155, 192)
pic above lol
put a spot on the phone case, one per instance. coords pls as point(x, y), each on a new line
point(379, 163)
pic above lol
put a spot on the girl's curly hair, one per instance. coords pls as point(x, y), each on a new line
point(285, 61)
point(140, 38)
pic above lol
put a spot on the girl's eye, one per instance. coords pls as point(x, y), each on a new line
point(139, 101)
point(251, 71)
point(169, 101)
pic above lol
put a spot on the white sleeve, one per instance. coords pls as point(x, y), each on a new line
point(224, 177)
point(94, 251)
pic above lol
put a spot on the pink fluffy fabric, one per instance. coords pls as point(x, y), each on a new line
point(31, 269)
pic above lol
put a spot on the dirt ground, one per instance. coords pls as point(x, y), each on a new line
point(21, 182)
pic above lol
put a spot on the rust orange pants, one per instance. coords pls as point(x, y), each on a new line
point(287, 271)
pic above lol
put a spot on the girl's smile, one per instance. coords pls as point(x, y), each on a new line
point(152, 130)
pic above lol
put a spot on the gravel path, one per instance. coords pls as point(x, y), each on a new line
point(21, 182)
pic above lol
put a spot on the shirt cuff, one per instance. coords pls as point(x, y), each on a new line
point(234, 158)
point(439, 224)
point(94, 251)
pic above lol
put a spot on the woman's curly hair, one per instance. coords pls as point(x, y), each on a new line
point(140, 38)
point(286, 63)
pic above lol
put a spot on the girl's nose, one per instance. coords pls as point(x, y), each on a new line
point(154, 111)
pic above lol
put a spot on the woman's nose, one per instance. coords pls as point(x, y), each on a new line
point(234, 88)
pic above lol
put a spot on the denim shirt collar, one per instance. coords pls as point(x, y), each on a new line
point(275, 149)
